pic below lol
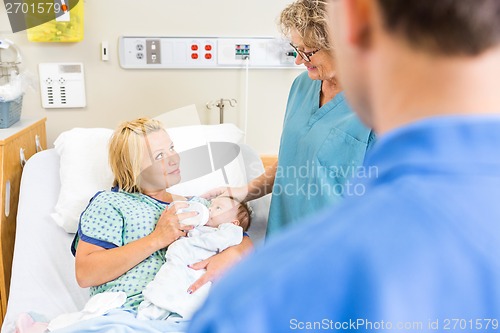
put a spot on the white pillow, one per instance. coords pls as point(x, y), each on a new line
point(84, 168)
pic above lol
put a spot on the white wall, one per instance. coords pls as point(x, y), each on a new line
point(115, 94)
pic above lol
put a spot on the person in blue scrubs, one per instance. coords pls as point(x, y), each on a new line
point(419, 252)
point(323, 143)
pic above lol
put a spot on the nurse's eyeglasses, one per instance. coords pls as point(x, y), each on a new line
point(304, 55)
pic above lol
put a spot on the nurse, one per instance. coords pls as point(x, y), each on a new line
point(323, 142)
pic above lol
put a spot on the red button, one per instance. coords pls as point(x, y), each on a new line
point(208, 56)
point(194, 55)
point(208, 47)
point(194, 47)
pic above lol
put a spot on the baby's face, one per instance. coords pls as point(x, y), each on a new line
point(222, 210)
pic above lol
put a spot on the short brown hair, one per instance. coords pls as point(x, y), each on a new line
point(448, 27)
point(309, 19)
point(126, 149)
point(246, 208)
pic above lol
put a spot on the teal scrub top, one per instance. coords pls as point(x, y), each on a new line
point(321, 149)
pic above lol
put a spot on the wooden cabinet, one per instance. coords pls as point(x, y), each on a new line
point(17, 143)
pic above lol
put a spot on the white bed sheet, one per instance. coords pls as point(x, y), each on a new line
point(43, 280)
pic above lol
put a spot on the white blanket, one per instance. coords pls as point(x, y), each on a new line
point(167, 293)
point(97, 305)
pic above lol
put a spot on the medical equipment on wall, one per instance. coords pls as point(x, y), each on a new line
point(67, 25)
point(205, 52)
point(62, 85)
point(10, 63)
point(140, 52)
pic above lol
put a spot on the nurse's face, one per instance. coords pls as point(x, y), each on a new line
point(321, 65)
point(160, 163)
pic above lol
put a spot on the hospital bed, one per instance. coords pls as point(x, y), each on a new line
point(43, 281)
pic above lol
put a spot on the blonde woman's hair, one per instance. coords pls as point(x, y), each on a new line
point(126, 149)
point(309, 19)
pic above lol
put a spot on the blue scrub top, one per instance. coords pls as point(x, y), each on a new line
point(419, 252)
point(321, 149)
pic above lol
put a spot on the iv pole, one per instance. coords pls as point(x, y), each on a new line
point(220, 104)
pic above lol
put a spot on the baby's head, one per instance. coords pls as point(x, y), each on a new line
point(228, 210)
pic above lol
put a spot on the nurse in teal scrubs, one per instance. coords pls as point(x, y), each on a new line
point(323, 143)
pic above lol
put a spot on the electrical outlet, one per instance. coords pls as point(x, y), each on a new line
point(153, 51)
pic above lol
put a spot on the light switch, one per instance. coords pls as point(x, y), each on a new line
point(104, 51)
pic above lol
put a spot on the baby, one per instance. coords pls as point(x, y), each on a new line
point(167, 293)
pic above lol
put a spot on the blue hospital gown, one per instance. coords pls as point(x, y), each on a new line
point(116, 218)
point(321, 149)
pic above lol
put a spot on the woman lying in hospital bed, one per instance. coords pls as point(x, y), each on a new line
point(122, 236)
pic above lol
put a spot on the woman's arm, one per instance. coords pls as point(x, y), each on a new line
point(95, 265)
point(219, 263)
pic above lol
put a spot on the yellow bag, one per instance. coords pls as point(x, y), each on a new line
point(65, 28)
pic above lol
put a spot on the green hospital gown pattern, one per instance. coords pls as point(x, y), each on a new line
point(114, 219)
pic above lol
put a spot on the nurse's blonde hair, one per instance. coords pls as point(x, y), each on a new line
point(309, 18)
point(126, 148)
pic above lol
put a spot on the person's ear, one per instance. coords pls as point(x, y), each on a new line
point(236, 222)
point(359, 21)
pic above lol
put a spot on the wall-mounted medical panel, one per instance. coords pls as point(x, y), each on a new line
point(62, 85)
point(205, 52)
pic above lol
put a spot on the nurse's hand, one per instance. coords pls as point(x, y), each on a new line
point(169, 227)
point(219, 263)
point(238, 193)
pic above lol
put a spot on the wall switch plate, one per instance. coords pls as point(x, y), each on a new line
point(62, 85)
point(104, 51)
